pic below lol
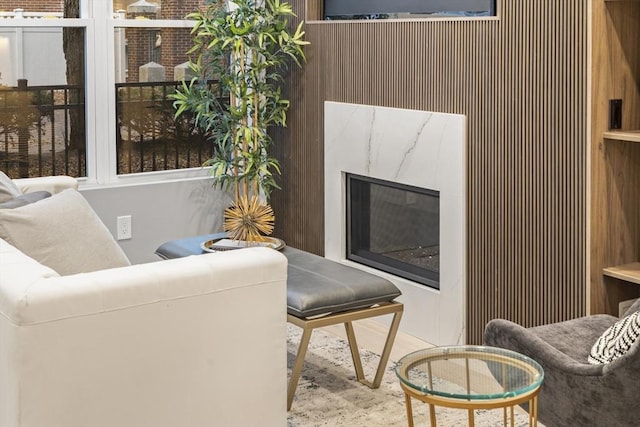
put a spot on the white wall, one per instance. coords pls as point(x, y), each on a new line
point(159, 212)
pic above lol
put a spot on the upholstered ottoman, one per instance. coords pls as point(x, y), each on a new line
point(320, 293)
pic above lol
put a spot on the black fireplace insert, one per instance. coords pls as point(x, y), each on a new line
point(394, 228)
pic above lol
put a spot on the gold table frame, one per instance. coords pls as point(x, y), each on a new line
point(309, 324)
point(470, 405)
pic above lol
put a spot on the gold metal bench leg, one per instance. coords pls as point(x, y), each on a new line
point(308, 325)
point(384, 357)
point(386, 352)
point(355, 352)
point(297, 367)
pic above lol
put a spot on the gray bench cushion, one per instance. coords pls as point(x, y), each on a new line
point(184, 247)
point(315, 285)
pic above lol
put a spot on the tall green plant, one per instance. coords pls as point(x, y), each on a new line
point(248, 50)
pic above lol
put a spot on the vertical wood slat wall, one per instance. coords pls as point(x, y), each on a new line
point(521, 80)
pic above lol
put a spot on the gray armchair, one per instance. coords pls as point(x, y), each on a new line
point(574, 392)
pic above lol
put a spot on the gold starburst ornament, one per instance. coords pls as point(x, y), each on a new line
point(249, 219)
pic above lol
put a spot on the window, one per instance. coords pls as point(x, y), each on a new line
point(149, 62)
point(42, 92)
point(84, 89)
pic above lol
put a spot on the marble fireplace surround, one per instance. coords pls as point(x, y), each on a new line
point(419, 148)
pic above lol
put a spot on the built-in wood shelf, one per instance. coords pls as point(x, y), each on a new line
point(623, 135)
point(627, 272)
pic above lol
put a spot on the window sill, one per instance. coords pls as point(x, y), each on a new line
point(158, 177)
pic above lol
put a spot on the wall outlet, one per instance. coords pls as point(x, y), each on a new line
point(615, 114)
point(123, 227)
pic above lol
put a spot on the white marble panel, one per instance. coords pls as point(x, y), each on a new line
point(420, 148)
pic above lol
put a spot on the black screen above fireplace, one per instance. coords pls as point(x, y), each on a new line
point(386, 9)
point(394, 228)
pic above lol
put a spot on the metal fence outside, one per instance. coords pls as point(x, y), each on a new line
point(35, 130)
point(148, 138)
point(42, 130)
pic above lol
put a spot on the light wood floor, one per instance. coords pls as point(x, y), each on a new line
point(371, 334)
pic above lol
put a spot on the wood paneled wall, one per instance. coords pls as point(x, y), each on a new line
point(522, 81)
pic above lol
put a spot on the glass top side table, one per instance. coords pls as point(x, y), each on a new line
point(470, 377)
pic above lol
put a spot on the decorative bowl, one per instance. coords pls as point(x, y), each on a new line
point(226, 244)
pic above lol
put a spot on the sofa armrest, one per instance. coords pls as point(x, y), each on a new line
point(52, 184)
point(506, 334)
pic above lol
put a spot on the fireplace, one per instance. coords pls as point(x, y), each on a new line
point(394, 228)
point(399, 153)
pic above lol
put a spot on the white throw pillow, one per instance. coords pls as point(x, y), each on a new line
point(8, 189)
point(63, 233)
point(616, 340)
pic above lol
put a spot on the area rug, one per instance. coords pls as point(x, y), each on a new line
point(328, 393)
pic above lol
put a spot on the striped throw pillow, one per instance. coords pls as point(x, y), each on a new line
point(616, 340)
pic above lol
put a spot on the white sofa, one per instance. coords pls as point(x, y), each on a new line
point(197, 341)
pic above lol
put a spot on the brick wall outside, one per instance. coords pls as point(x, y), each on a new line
point(175, 44)
point(175, 41)
point(137, 46)
point(32, 5)
point(178, 9)
point(171, 9)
